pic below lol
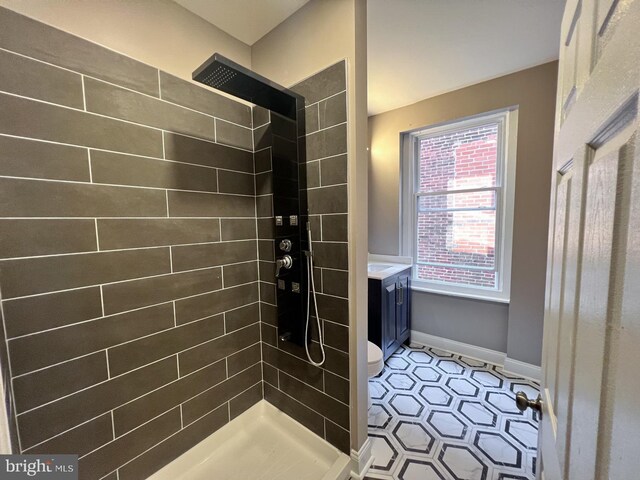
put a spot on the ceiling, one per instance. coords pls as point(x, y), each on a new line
point(422, 48)
point(246, 20)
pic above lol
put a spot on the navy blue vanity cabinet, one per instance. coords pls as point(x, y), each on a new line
point(390, 311)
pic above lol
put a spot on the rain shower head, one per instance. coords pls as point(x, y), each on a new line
point(223, 74)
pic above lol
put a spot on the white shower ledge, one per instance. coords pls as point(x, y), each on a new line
point(261, 444)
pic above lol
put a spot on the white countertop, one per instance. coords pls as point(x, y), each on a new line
point(383, 266)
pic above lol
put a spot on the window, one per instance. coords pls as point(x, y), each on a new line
point(458, 196)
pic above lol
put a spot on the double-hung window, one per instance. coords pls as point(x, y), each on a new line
point(458, 195)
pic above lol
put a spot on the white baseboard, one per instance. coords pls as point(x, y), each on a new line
point(527, 370)
point(361, 460)
point(479, 353)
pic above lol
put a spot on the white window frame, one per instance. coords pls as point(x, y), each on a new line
point(507, 121)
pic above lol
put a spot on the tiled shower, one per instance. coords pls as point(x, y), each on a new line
point(136, 244)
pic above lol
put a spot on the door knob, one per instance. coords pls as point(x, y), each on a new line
point(523, 402)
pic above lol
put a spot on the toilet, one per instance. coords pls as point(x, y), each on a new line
point(375, 364)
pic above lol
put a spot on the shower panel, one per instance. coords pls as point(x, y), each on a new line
point(289, 208)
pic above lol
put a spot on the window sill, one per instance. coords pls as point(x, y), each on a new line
point(485, 297)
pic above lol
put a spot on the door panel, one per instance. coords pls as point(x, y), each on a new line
point(402, 312)
point(389, 319)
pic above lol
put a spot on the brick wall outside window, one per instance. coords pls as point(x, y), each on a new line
point(456, 231)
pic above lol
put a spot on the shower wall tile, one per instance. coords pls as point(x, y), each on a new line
point(202, 99)
point(119, 169)
point(234, 135)
point(21, 157)
point(192, 150)
point(129, 282)
point(75, 127)
point(112, 101)
point(33, 39)
point(23, 76)
point(116, 234)
point(316, 397)
point(260, 116)
point(36, 198)
point(50, 237)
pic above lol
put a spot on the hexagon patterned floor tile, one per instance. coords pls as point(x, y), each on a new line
point(439, 416)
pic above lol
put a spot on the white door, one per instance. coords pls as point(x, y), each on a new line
point(590, 427)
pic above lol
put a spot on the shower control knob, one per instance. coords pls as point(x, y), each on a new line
point(285, 262)
point(285, 245)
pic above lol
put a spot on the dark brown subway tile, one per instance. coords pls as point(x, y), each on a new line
point(122, 449)
point(337, 362)
point(264, 206)
point(195, 204)
point(23, 76)
point(328, 82)
point(270, 374)
point(328, 200)
point(337, 436)
point(189, 257)
point(233, 135)
point(111, 476)
point(335, 282)
point(47, 274)
point(203, 100)
point(269, 334)
point(263, 161)
point(333, 171)
point(35, 198)
point(208, 304)
point(335, 228)
point(122, 296)
point(131, 233)
point(260, 116)
point(243, 359)
point(245, 400)
point(214, 350)
point(293, 366)
point(137, 412)
point(240, 273)
point(22, 238)
point(80, 440)
point(326, 143)
point(336, 336)
point(65, 125)
point(126, 357)
point(310, 123)
point(333, 110)
point(29, 37)
point(53, 346)
point(337, 387)
point(264, 183)
point(267, 271)
point(27, 315)
point(238, 228)
point(236, 182)
point(318, 401)
point(112, 101)
point(221, 393)
point(262, 137)
point(269, 314)
point(191, 150)
point(49, 384)
point(266, 250)
point(21, 157)
point(312, 173)
point(331, 255)
point(296, 410)
point(268, 292)
point(283, 127)
point(241, 317)
point(120, 169)
point(54, 418)
point(333, 308)
point(174, 446)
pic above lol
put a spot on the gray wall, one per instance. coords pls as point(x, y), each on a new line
point(128, 248)
point(533, 91)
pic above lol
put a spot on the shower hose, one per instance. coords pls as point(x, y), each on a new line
point(312, 288)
